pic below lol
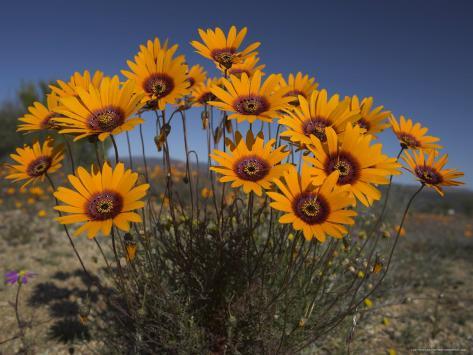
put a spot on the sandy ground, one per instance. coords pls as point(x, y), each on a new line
point(426, 304)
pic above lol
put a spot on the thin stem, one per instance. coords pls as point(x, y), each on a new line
point(97, 155)
point(68, 234)
point(129, 150)
point(71, 156)
point(143, 152)
point(103, 255)
point(17, 314)
point(404, 215)
point(115, 148)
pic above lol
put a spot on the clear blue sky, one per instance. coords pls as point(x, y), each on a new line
point(414, 56)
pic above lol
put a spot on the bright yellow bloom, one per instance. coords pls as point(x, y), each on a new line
point(317, 211)
point(42, 213)
point(373, 120)
point(412, 136)
point(100, 112)
point(101, 200)
point(429, 170)
point(39, 116)
point(224, 50)
point(299, 85)
point(252, 164)
point(249, 66)
point(202, 94)
point(35, 162)
point(196, 76)
point(360, 164)
point(76, 81)
point(313, 115)
point(160, 77)
point(206, 193)
point(249, 100)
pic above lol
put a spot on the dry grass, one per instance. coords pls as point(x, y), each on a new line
point(425, 303)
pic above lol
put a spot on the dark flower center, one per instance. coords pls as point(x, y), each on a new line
point(363, 123)
point(206, 97)
point(428, 175)
point(238, 72)
point(224, 56)
point(106, 119)
point(408, 140)
point(45, 123)
point(251, 168)
point(104, 205)
point(39, 166)
point(158, 85)
point(316, 126)
point(311, 208)
point(191, 81)
point(347, 166)
point(295, 93)
point(251, 105)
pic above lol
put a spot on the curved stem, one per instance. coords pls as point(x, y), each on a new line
point(71, 156)
point(115, 148)
point(404, 215)
point(97, 155)
point(129, 150)
point(143, 152)
point(68, 234)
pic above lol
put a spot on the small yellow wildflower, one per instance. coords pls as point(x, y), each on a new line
point(401, 230)
point(206, 193)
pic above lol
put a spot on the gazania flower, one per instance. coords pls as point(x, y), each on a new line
point(224, 50)
point(101, 200)
point(35, 162)
point(373, 120)
point(252, 165)
point(18, 277)
point(412, 136)
point(100, 112)
point(249, 100)
point(429, 170)
point(360, 164)
point(249, 66)
point(298, 85)
point(202, 94)
point(196, 76)
point(39, 116)
point(158, 75)
point(78, 80)
point(314, 115)
point(316, 211)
